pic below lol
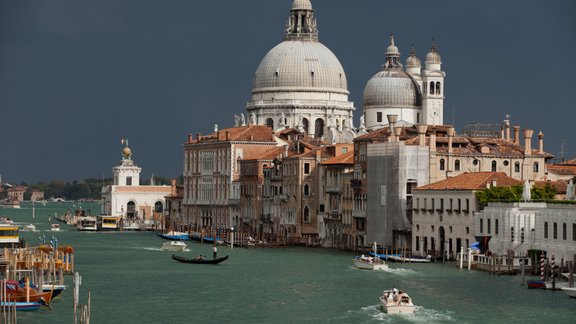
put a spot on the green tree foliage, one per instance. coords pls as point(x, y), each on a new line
point(514, 194)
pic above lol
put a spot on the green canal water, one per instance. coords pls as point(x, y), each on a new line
point(132, 281)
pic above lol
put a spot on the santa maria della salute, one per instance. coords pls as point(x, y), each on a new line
point(295, 169)
point(301, 84)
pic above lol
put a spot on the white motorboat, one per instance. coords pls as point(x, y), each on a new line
point(370, 263)
point(29, 228)
point(569, 291)
point(396, 302)
point(174, 246)
point(55, 227)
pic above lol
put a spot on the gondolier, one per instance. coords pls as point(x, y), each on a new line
point(215, 252)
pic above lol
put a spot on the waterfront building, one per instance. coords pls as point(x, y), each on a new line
point(173, 212)
point(562, 171)
point(443, 212)
point(16, 194)
point(212, 189)
point(527, 228)
point(127, 199)
point(336, 175)
point(416, 96)
point(301, 84)
point(37, 195)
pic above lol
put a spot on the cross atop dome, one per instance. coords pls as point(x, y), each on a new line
point(301, 22)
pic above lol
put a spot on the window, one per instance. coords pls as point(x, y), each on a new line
point(417, 243)
point(536, 167)
point(306, 214)
point(128, 181)
point(564, 231)
point(506, 163)
point(496, 226)
point(522, 235)
point(467, 205)
point(321, 208)
point(431, 87)
point(306, 190)
point(573, 232)
point(437, 87)
point(378, 117)
point(489, 230)
point(442, 164)
point(417, 118)
point(270, 122)
point(457, 165)
point(481, 225)
point(517, 167)
point(433, 203)
point(306, 168)
point(512, 234)
point(442, 204)
point(494, 166)
point(545, 230)
point(555, 231)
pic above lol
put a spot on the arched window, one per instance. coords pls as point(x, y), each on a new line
point(319, 128)
point(437, 87)
point(306, 190)
point(494, 165)
point(442, 164)
point(270, 122)
point(305, 123)
point(536, 167)
point(431, 87)
point(158, 207)
point(517, 167)
point(457, 165)
point(306, 214)
point(131, 209)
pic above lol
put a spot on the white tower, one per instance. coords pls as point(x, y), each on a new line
point(126, 174)
point(433, 88)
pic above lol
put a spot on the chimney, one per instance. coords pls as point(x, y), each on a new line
point(392, 119)
point(528, 141)
point(189, 138)
point(494, 182)
point(450, 133)
point(517, 135)
point(507, 129)
point(318, 155)
point(540, 143)
point(285, 150)
point(397, 132)
point(502, 133)
point(173, 189)
point(422, 134)
point(433, 142)
point(198, 136)
point(215, 127)
point(251, 137)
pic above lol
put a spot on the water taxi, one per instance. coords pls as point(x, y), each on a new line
point(9, 235)
point(370, 263)
point(55, 227)
point(108, 223)
point(569, 291)
point(396, 302)
point(174, 246)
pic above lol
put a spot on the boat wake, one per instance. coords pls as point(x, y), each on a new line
point(421, 315)
point(149, 248)
point(401, 271)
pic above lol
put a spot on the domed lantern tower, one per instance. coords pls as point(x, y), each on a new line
point(127, 173)
point(300, 83)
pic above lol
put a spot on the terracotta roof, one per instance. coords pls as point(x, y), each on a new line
point(561, 169)
point(559, 185)
point(269, 154)
point(346, 158)
point(252, 133)
point(472, 181)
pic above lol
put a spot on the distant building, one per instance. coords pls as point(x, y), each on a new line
point(173, 210)
point(443, 212)
point(127, 199)
point(37, 195)
point(528, 228)
point(16, 193)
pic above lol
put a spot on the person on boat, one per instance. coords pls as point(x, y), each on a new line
point(395, 295)
point(215, 252)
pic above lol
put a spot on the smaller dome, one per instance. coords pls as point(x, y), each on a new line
point(301, 5)
point(413, 60)
point(392, 50)
point(433, 56)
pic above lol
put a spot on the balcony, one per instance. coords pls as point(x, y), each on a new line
point(358, 213)
point(334, 189)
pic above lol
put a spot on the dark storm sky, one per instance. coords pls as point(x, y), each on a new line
point(76, 76)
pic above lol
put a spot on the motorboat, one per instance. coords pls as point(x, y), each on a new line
point(396, 302)
point(174, 246)
point(87, 223)
point(174, 236)
point(29, 228)
point(569, 291)
point(55, 227)
point(370, 263)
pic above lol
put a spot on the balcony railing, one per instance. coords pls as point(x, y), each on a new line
point(359, 213)
point(336, 189)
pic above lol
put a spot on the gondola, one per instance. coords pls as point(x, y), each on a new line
point(199, 261)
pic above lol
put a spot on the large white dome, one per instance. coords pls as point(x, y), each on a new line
point(300, 65)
